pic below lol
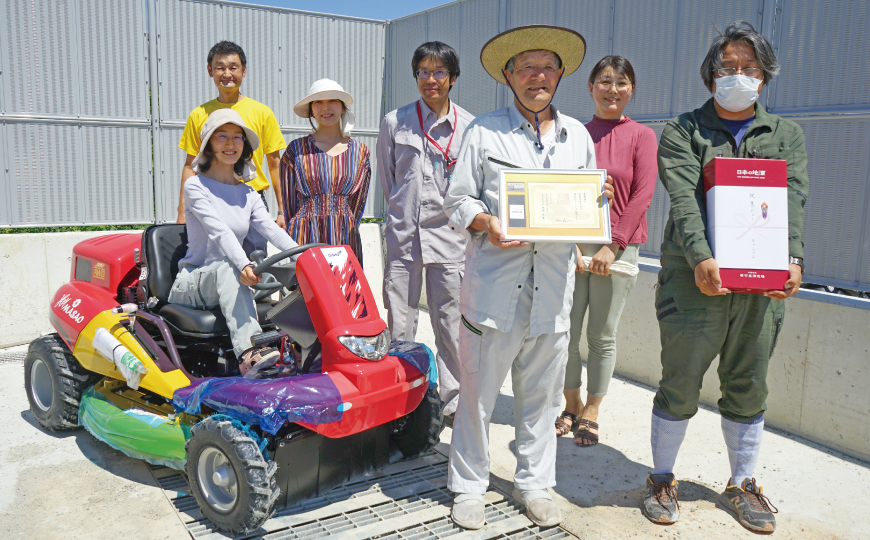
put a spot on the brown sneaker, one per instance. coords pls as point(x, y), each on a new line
point(753, 509)
point(661, 505)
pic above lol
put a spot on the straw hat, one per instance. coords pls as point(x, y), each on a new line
point(216, 120)
point(568, 44)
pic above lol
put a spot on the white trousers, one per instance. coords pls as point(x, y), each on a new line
point(537, 366)
point(403, 284)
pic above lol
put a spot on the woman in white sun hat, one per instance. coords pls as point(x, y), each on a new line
point(325, 175)
point(219, 210)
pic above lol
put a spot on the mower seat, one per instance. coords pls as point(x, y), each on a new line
point(163, 246)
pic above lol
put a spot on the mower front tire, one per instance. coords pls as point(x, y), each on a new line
point(229, 478)
point(421, 430)
point(54, 381)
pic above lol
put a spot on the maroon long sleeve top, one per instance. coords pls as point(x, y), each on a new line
point(628, 151)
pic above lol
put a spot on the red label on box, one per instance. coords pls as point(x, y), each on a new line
point(753, 281)
point(745, 172)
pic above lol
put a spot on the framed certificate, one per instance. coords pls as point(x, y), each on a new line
point(554, 205)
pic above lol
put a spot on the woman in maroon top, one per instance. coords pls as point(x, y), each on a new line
point(628, 151)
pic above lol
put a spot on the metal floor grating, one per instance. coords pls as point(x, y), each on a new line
point(406, 501)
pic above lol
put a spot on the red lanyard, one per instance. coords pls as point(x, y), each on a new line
point(450, 162)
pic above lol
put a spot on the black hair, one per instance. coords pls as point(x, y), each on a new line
point(223, 48)
point(438, 51)
point(620, 64)
point(311, 112)
point(238, 167)
point(745, 32)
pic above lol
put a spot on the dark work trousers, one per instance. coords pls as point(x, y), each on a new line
point(741, 328)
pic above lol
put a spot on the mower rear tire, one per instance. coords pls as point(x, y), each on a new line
point(422, 428)
point(229, 478)
point(54, 381)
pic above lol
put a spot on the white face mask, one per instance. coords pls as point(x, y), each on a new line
point(737, 92)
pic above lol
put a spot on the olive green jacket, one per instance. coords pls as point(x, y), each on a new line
point(691, 141)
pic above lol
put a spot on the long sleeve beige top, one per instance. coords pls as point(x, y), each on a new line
point(494, 277)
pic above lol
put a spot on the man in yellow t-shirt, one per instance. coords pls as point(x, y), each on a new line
point(227, 66)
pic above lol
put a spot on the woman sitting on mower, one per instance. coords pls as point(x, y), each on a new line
point(220, 209)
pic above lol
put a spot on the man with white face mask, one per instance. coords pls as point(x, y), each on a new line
point(698, 318)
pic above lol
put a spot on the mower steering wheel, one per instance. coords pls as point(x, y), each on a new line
point(268, 268)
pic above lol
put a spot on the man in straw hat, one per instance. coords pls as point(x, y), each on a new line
point(417, 149)
point(516, 296)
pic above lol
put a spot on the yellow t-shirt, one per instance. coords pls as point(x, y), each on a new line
point(256, 116)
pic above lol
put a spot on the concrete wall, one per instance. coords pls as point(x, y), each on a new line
point(818, 377)
point(32, 268)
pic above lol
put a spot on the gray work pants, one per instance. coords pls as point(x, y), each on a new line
point(537, 366)
point(403, 283)
point(217, 285)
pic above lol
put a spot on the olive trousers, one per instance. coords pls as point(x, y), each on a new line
point(741, 328)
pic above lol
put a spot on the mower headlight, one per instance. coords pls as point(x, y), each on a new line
point(371, 348)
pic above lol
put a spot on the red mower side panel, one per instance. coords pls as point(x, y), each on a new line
point(73, 307)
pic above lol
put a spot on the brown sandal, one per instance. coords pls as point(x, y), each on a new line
point(564, 423)
point(584, 433)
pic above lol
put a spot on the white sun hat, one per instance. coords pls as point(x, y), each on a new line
point(216, 120)
point(325, 89)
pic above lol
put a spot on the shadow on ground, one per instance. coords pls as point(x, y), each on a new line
point(99, 453)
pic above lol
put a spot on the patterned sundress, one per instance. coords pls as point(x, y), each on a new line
point(324, 195)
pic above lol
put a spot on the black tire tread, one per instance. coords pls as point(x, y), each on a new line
point(259, 475)
point(73, 377)
point(423, 427)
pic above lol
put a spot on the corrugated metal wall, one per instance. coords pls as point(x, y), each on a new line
point(74, 113)
point(78, 143)
point(820, 46)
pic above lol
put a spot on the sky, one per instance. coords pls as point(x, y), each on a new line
point(369, 9)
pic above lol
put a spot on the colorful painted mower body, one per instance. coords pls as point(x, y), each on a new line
point(160, 382)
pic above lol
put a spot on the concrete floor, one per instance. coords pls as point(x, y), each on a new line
point(72, 486)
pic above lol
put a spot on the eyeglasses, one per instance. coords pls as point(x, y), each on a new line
point(755, 73)
point(439, 74)
point(223, 137)
point(621, 86)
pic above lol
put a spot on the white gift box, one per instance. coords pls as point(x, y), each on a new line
point(747, 222)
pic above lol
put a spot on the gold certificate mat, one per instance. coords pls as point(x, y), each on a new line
point(554, 205)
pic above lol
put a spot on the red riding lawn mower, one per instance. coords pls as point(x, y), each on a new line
point(160, 381)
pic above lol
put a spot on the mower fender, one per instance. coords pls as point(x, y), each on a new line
point(74, 306)
point(366, 405)
point(155, 380)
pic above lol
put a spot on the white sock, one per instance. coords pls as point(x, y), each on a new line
point(744, 444)
point(667, 435)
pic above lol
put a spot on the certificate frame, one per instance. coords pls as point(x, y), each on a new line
point(552, 205)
